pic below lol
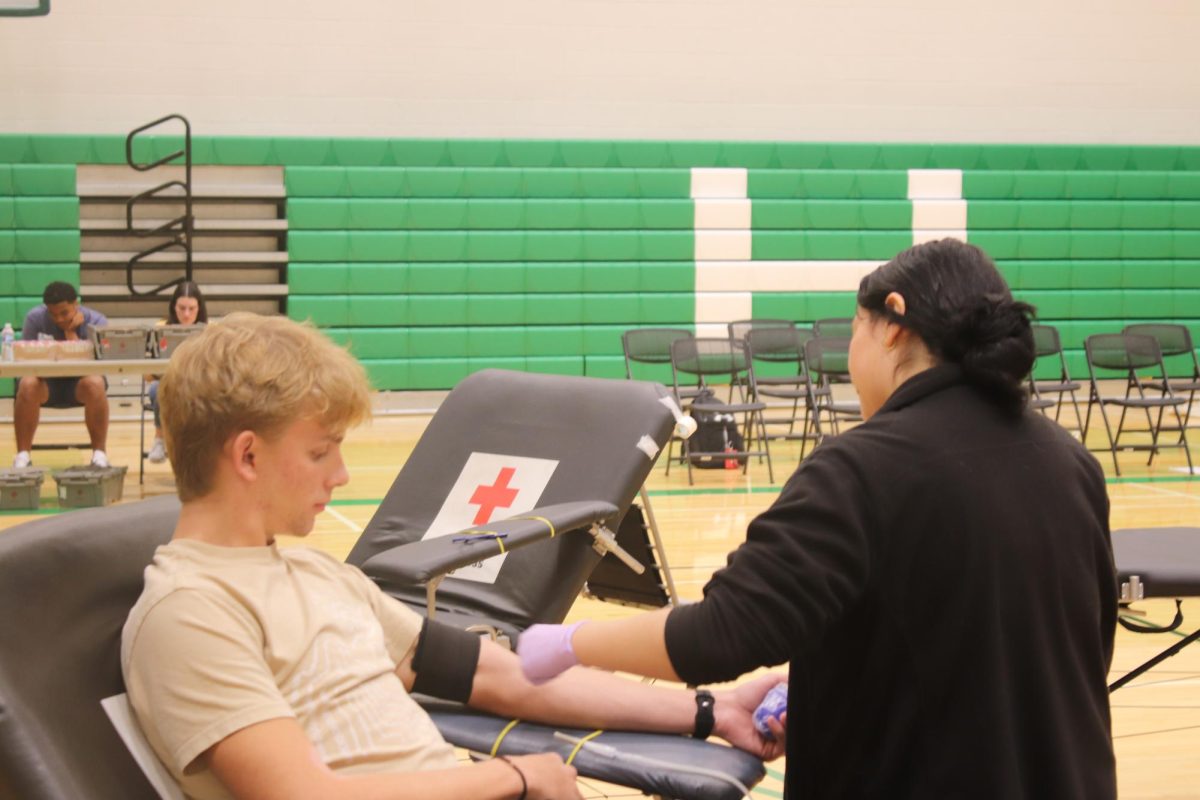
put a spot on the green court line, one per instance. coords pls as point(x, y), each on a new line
point(1162, 479)
point(715, 490)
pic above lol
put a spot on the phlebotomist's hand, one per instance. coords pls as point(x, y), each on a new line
point(546, 651)
point(733, 716)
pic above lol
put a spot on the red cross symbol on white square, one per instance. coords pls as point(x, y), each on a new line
point(489, 498)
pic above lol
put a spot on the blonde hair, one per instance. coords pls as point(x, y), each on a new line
point(255, 373)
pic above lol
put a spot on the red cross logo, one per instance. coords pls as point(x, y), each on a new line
point(498, 495)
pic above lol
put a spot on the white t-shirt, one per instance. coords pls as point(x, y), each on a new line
point(225, 637)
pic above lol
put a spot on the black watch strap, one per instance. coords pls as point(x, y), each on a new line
point(704, 714)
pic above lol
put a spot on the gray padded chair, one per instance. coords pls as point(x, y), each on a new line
point(75, 576)
point(68, 583)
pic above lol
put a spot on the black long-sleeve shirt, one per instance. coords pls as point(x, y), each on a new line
point(941, 580)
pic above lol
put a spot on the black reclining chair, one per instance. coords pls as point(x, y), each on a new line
point(75, 576)
point(603, 437)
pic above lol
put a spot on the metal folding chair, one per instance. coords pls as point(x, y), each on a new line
point(1123, 355)
point(1175, 344)
point(1048, 345)
point(833, 327)
point(827, 359)
point(781, 350)
point(698, 359)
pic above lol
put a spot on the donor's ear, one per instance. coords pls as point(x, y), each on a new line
point(241, 454)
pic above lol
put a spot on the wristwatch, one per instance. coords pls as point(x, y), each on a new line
point(704, 714)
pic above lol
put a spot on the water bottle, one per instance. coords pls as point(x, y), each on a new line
point(6, 354)
point(773, 705)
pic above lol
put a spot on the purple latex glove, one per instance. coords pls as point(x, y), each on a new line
point(546, 651)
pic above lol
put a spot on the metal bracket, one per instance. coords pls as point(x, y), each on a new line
point(1132, 590)
point(604, 542)
point(430, 591)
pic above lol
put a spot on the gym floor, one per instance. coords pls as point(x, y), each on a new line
point(1156, 719)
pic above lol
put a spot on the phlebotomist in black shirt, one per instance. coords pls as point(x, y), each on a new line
point(940, 578)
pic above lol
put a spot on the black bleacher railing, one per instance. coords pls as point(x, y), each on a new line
point(179, 230)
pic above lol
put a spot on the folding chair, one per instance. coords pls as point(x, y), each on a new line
point(696, 360)
point(57, 664)
point(1126, 355)
point(738, 329)
point(651, 347)
point(1175, 344)
point(782, 350)
point(1047, 344)
point(146, 408)
point(836, 327)
point(827, 359)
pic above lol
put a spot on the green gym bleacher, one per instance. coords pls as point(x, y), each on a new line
point(433, 258)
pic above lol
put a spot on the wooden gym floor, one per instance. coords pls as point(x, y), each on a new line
point(1156, 720)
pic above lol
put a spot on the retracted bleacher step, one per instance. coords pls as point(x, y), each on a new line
point(239, 254)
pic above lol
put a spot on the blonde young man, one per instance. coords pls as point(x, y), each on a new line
point(259, 672)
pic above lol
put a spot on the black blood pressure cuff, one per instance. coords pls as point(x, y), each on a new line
point(445, 661)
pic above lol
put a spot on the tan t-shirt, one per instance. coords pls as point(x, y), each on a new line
point(224, 637)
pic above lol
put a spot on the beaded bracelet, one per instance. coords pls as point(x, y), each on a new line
point(521, 775)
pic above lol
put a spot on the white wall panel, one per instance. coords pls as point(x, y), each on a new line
point(867, 70)
point(722, 214)
point(723, 245)
point(939, 214)
point(934, 184)
point(716, 183)
point(722, 307)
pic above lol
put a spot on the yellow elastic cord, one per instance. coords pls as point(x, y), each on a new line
point(500, 738)
point(500, 542)
point(579, 745)
point(547, 522)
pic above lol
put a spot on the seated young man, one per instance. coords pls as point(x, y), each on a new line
point(260, 672)
point(62, 317)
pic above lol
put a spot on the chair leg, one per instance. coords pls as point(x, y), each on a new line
point(1087, 421)
point(142, 446)
point(1154, 432)
point(1078, 417)
point(660, 551)
point(1112, 443)
point(766, 446)
point(687, 456)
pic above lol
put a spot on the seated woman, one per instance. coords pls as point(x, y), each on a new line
point(186, 308)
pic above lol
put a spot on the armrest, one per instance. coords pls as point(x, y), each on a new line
point(656, 764)
point(421, 562)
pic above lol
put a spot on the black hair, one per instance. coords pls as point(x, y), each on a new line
point(187, 289)
point(58, 292)
point(958, 303)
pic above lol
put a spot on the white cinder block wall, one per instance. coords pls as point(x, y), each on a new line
point(874, 70)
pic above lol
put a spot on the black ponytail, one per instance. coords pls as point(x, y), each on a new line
point(958, 303)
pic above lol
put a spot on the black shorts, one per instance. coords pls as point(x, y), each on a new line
point(62, 392)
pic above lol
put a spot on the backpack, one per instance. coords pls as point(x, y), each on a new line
point(716, 432)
